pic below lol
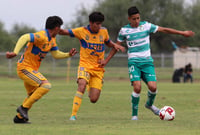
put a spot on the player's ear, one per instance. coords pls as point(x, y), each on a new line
point(91, 23)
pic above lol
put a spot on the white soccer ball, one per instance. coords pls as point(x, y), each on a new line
point(167, 113)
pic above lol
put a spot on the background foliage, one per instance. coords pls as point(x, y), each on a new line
point(167, 13)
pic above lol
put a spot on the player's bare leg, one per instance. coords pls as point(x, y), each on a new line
point(94, 95)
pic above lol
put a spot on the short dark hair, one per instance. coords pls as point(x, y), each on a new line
point(53, 21)
point(96, 17)
point(133, 10)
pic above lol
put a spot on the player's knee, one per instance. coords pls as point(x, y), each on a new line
point(152, 88)
point(46, 86)
point(93, 100)
point(137, 89)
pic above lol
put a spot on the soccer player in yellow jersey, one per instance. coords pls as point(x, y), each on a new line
point(93, 39)
point(37, 46)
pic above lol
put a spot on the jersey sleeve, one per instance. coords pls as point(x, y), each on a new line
point(153, 28)
point(107, 37)
point(37, 38)
point(121, 37)
point(75, 32)
point(21, 42)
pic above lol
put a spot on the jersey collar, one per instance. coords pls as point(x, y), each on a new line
point(88, 27)
point(48, 34)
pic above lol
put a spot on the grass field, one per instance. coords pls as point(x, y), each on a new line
point(109, 116)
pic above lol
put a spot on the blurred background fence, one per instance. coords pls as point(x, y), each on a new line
point(115, 70)
point(53, 67)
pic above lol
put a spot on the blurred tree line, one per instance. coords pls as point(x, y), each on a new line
point(167, 13)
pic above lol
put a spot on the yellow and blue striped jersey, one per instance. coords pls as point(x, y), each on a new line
point(92, 46)
point(35, 51)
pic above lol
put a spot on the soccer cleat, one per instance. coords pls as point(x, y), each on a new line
point(153, 108)
point(72, 117)
point(17, 120)
point(23, 112)
point(134, 118)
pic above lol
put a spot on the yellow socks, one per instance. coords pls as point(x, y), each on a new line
point(76, 103)
point(37, 94)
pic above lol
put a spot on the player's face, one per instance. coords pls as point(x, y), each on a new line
point(56, 31)
point(95, 26)
point(134, 20)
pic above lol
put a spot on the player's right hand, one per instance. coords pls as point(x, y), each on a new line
point(10, 55)
point(72, 52)
point(119, 47)
point(188, 33)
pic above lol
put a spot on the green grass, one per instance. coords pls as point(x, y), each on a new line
point(109, 116)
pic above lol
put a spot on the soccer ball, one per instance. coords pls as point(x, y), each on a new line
point(167, 113)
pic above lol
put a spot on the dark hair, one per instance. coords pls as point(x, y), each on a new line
point(53, 21)
point(133, 10)
point(96, 17)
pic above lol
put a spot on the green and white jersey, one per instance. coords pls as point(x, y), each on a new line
point(138, 41)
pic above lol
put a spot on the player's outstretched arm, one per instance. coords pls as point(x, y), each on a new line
point(61, 55)
point(115, 48)
point(174, 31)
point(20, 43)
point(63, 32)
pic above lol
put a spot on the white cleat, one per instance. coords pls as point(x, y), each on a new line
point(153, 108)
point(134, 118)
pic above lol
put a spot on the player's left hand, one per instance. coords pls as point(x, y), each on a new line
point(188, 33)
point(10, 55)
point(102, 63)
point(72, 52)
point(119, 48)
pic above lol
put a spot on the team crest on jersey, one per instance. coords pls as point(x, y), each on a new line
point(101, 38)
point(141, 27)
point(87, 37)
point(44, 46)
point(38, 36)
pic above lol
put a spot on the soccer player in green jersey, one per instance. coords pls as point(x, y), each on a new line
point(140, 63)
